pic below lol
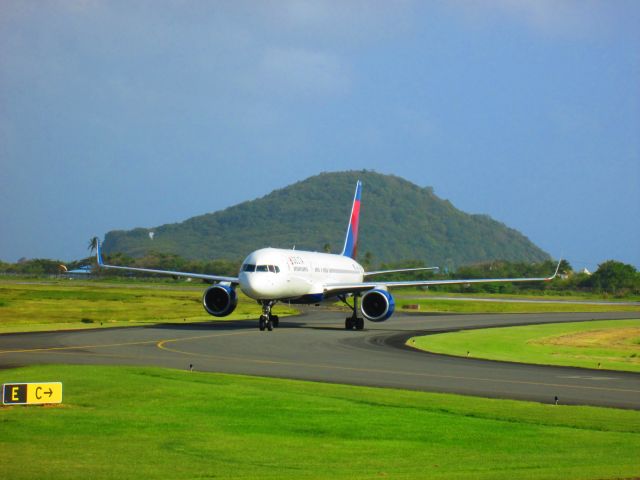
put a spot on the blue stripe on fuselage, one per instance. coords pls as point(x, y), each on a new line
point(311, 298)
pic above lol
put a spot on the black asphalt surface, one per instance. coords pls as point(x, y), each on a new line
point(315, 346)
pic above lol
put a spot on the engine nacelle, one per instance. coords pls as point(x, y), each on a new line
point(377, 305)
point(220, 300)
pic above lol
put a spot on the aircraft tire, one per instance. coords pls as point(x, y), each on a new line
point(269, 325)
point(349, 324)
point(261, 324)
point(359, 323)
point(275, 321)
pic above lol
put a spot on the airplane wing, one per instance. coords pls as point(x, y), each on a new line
point(333, 289)
point(215, 278)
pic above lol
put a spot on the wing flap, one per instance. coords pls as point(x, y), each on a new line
point(380, 272)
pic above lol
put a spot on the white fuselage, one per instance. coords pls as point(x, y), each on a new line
point(278, 274)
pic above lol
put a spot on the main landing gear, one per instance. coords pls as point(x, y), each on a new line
point(267, 320)
point(352, 322)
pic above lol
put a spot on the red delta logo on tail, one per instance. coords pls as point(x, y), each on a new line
point(351, 241)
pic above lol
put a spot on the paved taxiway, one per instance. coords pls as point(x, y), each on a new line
point(315, 346)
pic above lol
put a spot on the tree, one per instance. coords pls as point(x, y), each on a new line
point(615, 277)
point(93, 244)
point(367, 262)
point(565, 267)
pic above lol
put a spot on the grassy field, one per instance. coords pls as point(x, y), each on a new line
point(609, 344)
point(462, 306)
point(74, 305)
point(153, 423)
point(62, 304)
point(526, 295)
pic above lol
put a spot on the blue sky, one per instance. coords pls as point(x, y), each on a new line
point(121, 114)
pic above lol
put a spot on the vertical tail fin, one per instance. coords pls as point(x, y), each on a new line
point(351, 241)
point(99, 254)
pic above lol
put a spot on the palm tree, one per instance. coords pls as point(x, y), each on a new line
point(93, 244)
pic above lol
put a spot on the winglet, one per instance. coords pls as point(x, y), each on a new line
point(351, 240)
point(99, 254)
point(556, 272)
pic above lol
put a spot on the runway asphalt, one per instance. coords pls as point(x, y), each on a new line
point(316, 347)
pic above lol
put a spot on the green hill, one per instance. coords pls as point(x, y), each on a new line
point(399, 221)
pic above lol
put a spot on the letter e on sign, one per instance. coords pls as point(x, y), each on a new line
point(14, 394)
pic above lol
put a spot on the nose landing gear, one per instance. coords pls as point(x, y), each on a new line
point(267, 320)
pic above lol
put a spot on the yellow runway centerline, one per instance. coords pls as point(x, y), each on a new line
point(122, 344)
point(75, 347)
point(161, 344)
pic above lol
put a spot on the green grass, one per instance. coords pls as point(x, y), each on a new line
point(71, 305)
point(463, 306)
point(608, 344)
point(153, 423)
point(567, 295)
point(64, 304)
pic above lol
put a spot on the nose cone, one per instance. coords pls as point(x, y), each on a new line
point(258, 277)
point(259, 285)
point(251, 285)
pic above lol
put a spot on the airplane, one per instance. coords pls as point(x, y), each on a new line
point(83, 270)
point(272, 275)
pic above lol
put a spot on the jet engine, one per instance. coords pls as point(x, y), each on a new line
point(377, 305)
point(220, 300)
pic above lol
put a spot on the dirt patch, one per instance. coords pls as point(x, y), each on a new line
point(618, 338)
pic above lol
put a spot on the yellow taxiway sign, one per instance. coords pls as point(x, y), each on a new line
point(31, 393)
